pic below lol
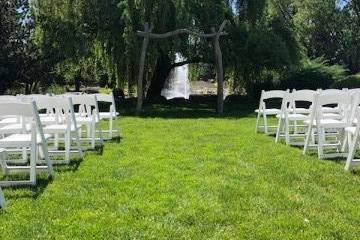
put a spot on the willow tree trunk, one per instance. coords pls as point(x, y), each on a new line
point(161, 73)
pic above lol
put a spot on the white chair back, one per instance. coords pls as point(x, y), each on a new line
point(273, 94)
point(27, 112)
point(88, 104)
point(342, 100)
point(107, 98)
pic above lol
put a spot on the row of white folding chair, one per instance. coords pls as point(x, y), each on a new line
point(320, 123)
point(109, 115)
point(59, 117)
point(291, 114)
point(61, 123)
point(29, 138)
point(323, 118)
point(87, 115)
point(263, 112)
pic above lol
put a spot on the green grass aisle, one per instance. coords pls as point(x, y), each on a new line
point(197, 177)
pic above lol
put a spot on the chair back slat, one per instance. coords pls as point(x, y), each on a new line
point(302, 95)
point(273, 94)
point(16, 109)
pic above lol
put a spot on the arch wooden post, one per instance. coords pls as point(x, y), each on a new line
point(219, 68)
point(140, 88)
point(215, 35)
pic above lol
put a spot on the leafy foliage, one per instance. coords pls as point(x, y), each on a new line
point(352, 81)
point(93, 42)
point(314, 75)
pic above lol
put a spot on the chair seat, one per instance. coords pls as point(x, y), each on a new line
point(10, 120)
point(20, 140)
point(332, 115)
point(301, 110)
point(46, 120)
point(14, 128)
point(85, 120)
point(294, 117)
point(107, 115)
point(329, 123)
point(330, 109)
point(270, 111)
point(59, 128)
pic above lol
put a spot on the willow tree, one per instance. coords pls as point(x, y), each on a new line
point(76, 34)
point(100, 35)
point(262, 45)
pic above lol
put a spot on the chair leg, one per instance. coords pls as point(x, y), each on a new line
point(33, 156)
point(345, 144)
point(78, 144)
point(3, 164)
point(56, 141)
point(307, 139)
point(47, 159)
point(266, 130)
point(278, 131)
point(100, 134)
point(93, 132)
point(321, 141)
point(257, 122)
point(2, 199)
point(88, 130)
point(351, 155)
point(111, 128)
point(67, 146)
point(287, 132)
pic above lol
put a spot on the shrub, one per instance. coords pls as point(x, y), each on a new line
point(314, 74)
point(352, 81)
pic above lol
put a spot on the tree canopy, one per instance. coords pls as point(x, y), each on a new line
point(94, 42)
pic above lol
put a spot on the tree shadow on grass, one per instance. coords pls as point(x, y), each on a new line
point(194, 108)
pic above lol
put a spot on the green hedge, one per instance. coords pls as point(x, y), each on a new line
point(352, 81)
point(313, 74)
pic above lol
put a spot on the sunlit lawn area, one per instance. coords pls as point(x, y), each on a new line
point(183, 173)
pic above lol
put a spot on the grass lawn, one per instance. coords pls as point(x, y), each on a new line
point(183, 173)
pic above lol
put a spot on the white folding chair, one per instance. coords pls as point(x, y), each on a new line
point(110, 115)
point(88, 115)
point(328, 127)
point(352, 134)
point(291, 114)
point(263, 112)
point(32, 140)
point(2, 198)
point(61, 109)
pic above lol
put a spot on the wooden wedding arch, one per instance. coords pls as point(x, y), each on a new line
point(215, 35)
